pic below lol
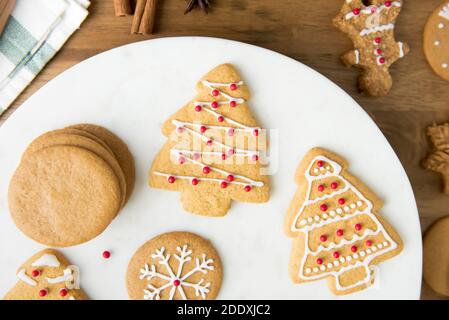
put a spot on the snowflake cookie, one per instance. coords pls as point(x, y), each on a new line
point(175, 266)
point(337, 233)
point(47, 276)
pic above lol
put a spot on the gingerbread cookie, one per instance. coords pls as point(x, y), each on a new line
point(337, 233)
point(436, 40)
point(175, 266)
point(47, 276)
point(63, 195)
point(436, 256)
point(370, 25)
point(438, 159)
point(215, 146)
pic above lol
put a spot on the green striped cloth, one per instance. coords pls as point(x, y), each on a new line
point(35, 31)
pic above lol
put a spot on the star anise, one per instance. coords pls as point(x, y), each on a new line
point(203, 4)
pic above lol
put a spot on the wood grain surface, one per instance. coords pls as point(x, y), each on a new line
point(301, 30)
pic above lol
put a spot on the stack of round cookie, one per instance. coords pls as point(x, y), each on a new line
point(71, 183)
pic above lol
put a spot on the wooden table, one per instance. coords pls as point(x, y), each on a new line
point(303, 31)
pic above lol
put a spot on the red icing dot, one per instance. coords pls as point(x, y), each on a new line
point(106, 254)
point(341, 201)
point(231, 132)
point(209, 142)
point(378, 40)
point(214, 104)
point(382, 60)
point(255, 157)
point(256, 132)
point(233, 86)
point(320, 163)
point(203, 129)
point(181, 160)
point(321, 188)
point(323, 207)
point(369, 243)
point(63, 292)
point(334, 185)
point(36, 273)
point(358, 227)
point(180, 130)
point(247, 188)
point(233, 104)
point(220, 119)
point(387, 4)
point(323, 238)
point(230, 178)
point(206, 170)
point(176, 283)
point(373, 10)
point(354, 248)
point(198, 108)
point(215, 92)
point(195, 181)
point(336, 254)
point(231, 152)
point(43, 292)
point(223, 156)
point(339, 232)
point(379, 51)
point(319, 261)
point(224, 185)
point(171, 179)
point(356, 11)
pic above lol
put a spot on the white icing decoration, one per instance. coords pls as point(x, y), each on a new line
point(357, 56)
point(381, 28)
point(367, 211)
point(437, 43)
point(401, 49)
point(202, 265)
point(46, 260)
point(308, 270)
point(368, 10)
point(441, 25)
point(445, 65)
point(70, 277)
point(444, 13)
point(25, 278)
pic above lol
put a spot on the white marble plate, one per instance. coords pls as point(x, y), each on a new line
point(133, 89)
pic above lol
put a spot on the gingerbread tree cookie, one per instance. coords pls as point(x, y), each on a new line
point(337, 232)
point(371, 29)
point(438, 159)
point(47, 276)
point(213, 154)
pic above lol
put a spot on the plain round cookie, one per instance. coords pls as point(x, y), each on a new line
point(119, 149)
point(436, 41)
point(61, 137)
point(436, 256)
point(63, 195)
point(170, 245)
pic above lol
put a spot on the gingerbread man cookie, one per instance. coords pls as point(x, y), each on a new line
point(337, 233)
point(436, 40)
point(370, 25)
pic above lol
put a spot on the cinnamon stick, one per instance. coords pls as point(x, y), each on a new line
point(122, 8)
point(144, 16)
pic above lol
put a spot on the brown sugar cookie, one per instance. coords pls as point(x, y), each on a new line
point(337, 233)
point(370, 25)
point(175, 266)
point(119, 149)
point(436, 40)
point(436, 256)
point(47, 276)
point(61, 137)
point(214, 149)
point(63, 195)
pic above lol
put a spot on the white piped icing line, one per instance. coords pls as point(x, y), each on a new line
point(373, 9)
point(176, 280)
point(368, 255)
point(25, 278)
point(70, 277)
point(357, 56)
point(381, 28)
point(214, 86)
point(444, 13)
point(401, 49)
point(46, 260)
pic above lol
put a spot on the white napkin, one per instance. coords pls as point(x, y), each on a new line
point(35, 32)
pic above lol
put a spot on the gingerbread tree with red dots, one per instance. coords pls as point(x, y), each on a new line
point(337, 232)
point(370, 25)
point(215, 148)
